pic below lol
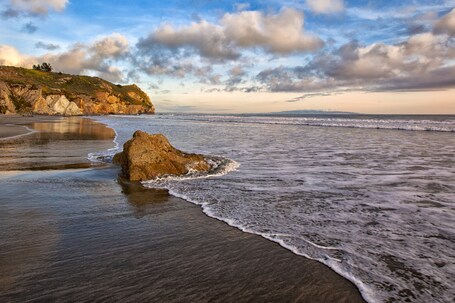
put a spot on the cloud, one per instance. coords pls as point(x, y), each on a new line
point(236, 76)
point(10, 56)
point(35, 7)
point(205, 38)
point(307, 96)
point(280, 33)
point(10, 13)
point(446, 25)
point(29, 28)
point(47, 46)
point(113, 46)
point(97, 58)
point(326, 6)
point(422, 62)
point(240, 6)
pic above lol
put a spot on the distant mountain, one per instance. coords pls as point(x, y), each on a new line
point(310, 112)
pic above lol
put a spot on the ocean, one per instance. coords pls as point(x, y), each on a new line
point(372, 197)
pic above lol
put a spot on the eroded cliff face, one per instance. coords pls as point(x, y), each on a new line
point(27, 91)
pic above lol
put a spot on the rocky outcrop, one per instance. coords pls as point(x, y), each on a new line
point(31, 91)
point(56, 105)
point(6, 104)
point(146, 157)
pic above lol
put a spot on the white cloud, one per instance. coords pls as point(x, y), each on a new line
point(10, 56)
point(39, 7)
point(446, 25)
point(114, 45)
point(96, 58)
point(207, 38)
point(281, 33)
point(326, 6)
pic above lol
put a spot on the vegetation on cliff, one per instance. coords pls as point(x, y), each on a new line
point(28, 90)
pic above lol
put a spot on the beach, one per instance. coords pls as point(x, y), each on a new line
point(70, 231)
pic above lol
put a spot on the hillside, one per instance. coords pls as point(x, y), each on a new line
point(27, 91)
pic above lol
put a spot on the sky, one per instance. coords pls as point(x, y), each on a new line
point(381, 57)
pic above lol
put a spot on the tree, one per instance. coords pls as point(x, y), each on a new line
point(45, 67)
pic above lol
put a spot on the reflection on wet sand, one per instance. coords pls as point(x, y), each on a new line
point(75, 127)
point(55, 144)
point(30, 235)
point(142, 199)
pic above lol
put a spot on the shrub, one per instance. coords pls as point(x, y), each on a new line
point(45, 67)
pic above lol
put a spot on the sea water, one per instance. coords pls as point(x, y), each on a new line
point(372, 197)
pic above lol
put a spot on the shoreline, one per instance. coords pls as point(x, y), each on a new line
point(8, 131)
point(232, 250)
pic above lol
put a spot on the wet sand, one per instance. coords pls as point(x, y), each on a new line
point(8, 131)
point(80, 235)
point(55, 143)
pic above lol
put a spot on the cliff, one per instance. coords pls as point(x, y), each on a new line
point(27, 91)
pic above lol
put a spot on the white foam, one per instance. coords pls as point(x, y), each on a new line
point(101, 155)
point(220, 167)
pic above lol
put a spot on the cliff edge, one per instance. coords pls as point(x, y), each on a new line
point(27, 91)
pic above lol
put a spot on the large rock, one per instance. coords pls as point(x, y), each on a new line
point(56, 105)
point(146, 157)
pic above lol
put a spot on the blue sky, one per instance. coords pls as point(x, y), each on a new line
point(248, 56)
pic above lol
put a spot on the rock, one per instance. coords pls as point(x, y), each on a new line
point(146, 157)
point(41, 107)
point(6, 104)
point(73, 110)
point(57, 104)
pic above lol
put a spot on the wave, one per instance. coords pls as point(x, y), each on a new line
point(219, 167)
point(370, 123)
point(106, 155)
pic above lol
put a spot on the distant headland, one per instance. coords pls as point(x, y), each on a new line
point(37, 91)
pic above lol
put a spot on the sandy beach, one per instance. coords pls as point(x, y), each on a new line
point(69, 231)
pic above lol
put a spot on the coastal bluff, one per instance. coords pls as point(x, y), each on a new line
point(147, 156)
point(27, 91)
